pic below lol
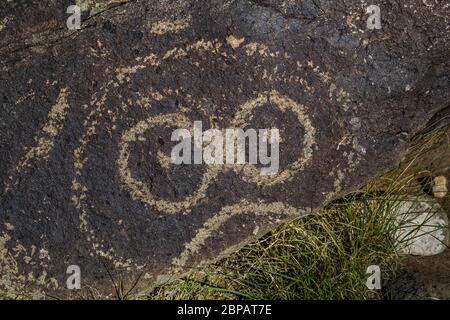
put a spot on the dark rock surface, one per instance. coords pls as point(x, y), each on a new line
point(86, 119)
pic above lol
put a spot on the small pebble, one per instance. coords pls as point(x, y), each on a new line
point(440, 187)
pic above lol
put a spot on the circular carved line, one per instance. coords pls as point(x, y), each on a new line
point(284, 103)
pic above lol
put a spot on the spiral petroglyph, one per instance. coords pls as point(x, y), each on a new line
point(99, 114)
point(139, 191)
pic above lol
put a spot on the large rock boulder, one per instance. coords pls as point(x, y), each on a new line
point(86, 119)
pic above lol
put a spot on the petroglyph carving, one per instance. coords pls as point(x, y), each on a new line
point(139, 191)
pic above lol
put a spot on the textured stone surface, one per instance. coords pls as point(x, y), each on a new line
point(86, 119)
point(423, 227)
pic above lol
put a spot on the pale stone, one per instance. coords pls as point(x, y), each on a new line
point(440, 187)
point(423, 227)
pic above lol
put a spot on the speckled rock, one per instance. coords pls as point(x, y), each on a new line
point(86, 118)
point(424, 229)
